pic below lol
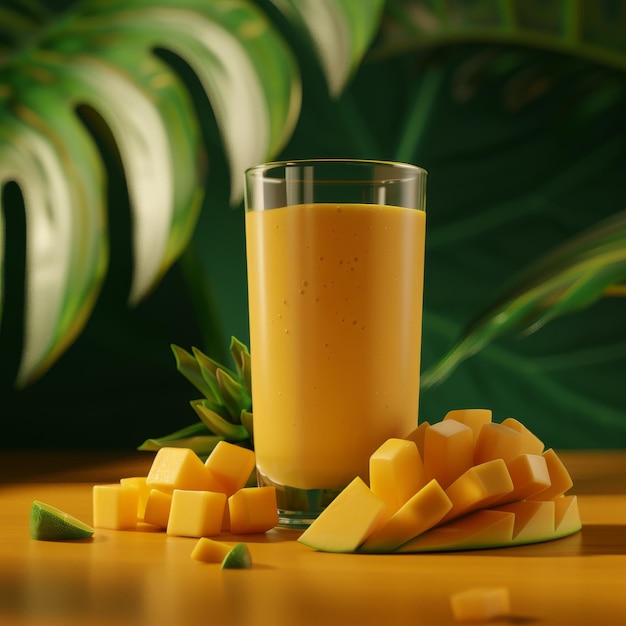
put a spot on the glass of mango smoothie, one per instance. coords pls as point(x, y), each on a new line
point(335, 257)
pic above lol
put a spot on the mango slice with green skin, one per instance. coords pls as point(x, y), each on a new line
point(513, 494)
point(48, 523)
point(239, 557)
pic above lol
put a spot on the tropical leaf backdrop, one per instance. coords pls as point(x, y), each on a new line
point(515, 108)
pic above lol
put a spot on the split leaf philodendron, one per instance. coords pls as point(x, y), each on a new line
point(224, 411)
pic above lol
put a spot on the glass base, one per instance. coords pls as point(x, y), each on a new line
point(298, 508)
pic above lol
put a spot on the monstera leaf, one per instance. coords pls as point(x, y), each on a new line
point(102, 64)
point(526, 224)
point(569, 279)
point(516, 111)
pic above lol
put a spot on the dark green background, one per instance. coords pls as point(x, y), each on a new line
point(520, 156)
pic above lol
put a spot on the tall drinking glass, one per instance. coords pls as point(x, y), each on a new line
point(335, 255)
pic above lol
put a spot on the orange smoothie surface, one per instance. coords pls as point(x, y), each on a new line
point(335, 297)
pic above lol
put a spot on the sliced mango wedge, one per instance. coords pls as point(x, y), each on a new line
point(512, 493)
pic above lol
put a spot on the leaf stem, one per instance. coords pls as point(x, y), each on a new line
point(420, 109)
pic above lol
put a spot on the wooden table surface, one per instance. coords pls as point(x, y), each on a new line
point(140, 577)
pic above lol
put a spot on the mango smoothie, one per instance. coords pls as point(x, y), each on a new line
point(335, 336)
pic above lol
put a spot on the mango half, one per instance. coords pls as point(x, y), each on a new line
point(464, 483)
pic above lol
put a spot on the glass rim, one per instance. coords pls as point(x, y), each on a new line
point(259, 171)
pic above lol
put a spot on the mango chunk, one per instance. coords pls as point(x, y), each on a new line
point(531, 444)
point(534, 521)
point(448, 451)
point(421, 512)
point(480, 604)
point(560, 480)
point(209, 550)
point(474, 418)
point(144, 490)
point(157, 511)
point(417, 436)
point(566, 516)
point(396, 472)
point(529, 473)
point(180, 468)
point(496, 441)
point(348, 521)
point(485, 528)
point(196, 513)
point(252, 510)
point(115, 506)
point(478, 487)
point(231, 465)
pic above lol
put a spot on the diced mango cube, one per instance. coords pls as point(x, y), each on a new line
point(353, 516)
point(226, 518)
point(474, 418)
point(478, 487)
point(231, 465)
point(448, 451)
point(115, 506)
point(560, 480)
point(210, 550)
point(196, 513)
point(253, 510)
point(532, 444)
point(566, 516)
point(485, 528)
point(496, 441)
point(417, 435)
point(529, 473)
point(480, 604)
point(534, 521)
point(396, 472)
point(180, 468)
point(157, 511)
point(421, 512)
point(144, 490)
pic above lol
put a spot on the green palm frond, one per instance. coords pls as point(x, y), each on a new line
point(569, 279)
point(101, 58)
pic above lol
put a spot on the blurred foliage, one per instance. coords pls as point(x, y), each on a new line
point(516, 111)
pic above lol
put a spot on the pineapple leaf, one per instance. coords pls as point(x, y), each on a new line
point(217, 424)
point(209, 368)
point(189, 367)
point(202, 445)
point(247, 420)
point(241, 358)
point(234, 394)
point(196, 436)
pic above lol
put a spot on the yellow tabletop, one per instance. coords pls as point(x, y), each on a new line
point(145, 577)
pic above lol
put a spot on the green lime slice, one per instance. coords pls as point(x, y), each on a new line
point(238, 558)
point(48, 523)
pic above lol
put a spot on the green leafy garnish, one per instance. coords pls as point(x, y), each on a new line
point(224, 411)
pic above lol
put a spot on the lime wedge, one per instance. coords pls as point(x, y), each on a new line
point(48, 523)
point(238, 558)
